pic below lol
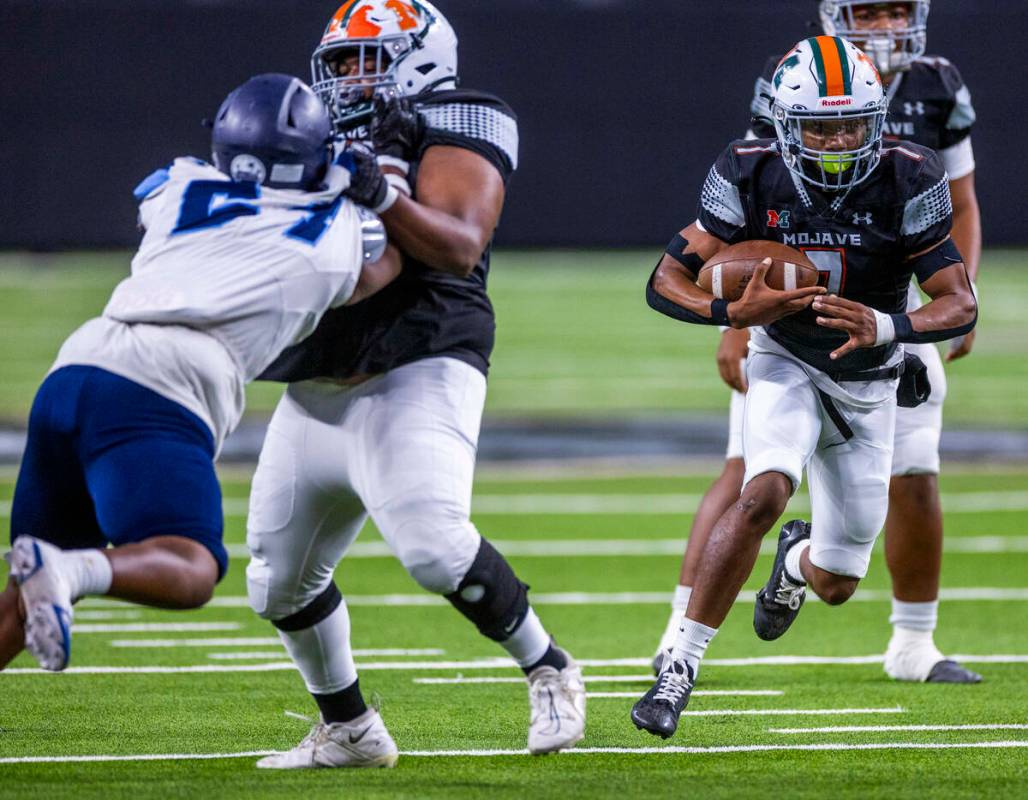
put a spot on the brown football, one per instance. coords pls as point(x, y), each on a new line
point(727, 274)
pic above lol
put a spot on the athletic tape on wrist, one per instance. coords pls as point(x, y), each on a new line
point(399, 183)
point(885, 330)
point(392, 195)
point(395, 163)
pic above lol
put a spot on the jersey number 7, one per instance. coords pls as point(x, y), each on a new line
point(831, 266)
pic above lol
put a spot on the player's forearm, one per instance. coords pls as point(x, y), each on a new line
point(946, 316)
point(674, 293)
point(377, 275)
point(440, 240)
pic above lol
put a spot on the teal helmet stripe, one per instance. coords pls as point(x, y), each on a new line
point(844, 62)
point(819, 63)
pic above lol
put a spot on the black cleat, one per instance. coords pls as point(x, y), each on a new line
point(949, 671)
point(658, 661)
point(780, 600)
point(659, 709)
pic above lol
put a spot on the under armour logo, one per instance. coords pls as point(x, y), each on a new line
point(914, 108)
point(778, 219)
point(862, 219)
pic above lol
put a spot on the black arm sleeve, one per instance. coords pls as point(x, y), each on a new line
point(656, 301)
point(905, 331)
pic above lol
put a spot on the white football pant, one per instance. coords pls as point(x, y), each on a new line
point(400, 447)
point(786, 429)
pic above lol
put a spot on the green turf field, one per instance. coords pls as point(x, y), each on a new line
point(574, 337)
point(600, 554)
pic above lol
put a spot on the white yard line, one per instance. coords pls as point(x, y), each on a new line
point(260, 641)
point(583, 548)
point(581, 751)
point(697, 693)
point(505, 663)
point(964, 594)
point(91, 615)
point(260, 655)
point(647, 679)
point(897, 728)
point(156, 627)
point(256, 641)
point(661, 503)
point(788, 712)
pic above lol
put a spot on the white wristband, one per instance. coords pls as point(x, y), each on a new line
point(392, 195)
point(395, 163)
point(974, 291)
point(885, 329)
point(399, 182)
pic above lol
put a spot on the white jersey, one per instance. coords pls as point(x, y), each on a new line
point(227, 276)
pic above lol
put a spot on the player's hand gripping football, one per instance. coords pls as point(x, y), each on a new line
point(731, 355)
point(762, 305)
point(851, 318)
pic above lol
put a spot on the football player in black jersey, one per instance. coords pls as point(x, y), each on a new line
point(823, 379)
point(381, 416)
point(928, 105)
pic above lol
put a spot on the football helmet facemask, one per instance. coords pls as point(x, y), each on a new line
point(893, 49)
point(828, 107)
point(381, 48)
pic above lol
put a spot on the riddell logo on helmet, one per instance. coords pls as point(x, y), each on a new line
point(828, 102)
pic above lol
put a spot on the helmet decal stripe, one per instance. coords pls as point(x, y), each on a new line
point(828, 55)
point(844, 64)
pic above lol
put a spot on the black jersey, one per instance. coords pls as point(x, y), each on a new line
point(424, 312)
point(860, 240)
point(928, 104)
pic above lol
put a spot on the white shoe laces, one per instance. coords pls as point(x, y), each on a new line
point(672, 687)
point(788, 593)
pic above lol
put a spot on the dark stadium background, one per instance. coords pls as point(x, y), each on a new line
point(623, 103)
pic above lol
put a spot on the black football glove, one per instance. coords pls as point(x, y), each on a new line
point(396, 130)
point(368, 186)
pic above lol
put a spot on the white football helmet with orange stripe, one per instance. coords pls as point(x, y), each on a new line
point(829, 110)
point(894, 43)
point(382, 46)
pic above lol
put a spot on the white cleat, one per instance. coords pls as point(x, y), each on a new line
point(557, 700)
point(920, 661)
point(46, 597)
point(363, 742)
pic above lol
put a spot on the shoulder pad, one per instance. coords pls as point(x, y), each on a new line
point(720, 197)
point(473, 115)
point(928, 203)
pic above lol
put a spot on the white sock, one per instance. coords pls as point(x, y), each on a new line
point(679, 603)
point(915, 616)
point(529, 642)
point(88, 572)
point(792, 561)
point(323, 654)
point(691, 643)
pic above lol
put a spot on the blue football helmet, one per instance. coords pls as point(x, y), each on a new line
point(273, 130)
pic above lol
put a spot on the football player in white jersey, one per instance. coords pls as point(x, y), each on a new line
point(382, 413)
point(928, 105)
point(117, 493)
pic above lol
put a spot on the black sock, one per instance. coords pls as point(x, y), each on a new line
point(553, 657)
point(341, 706)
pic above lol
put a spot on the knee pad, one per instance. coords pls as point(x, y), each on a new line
point(491, 596)
point(320, 608)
